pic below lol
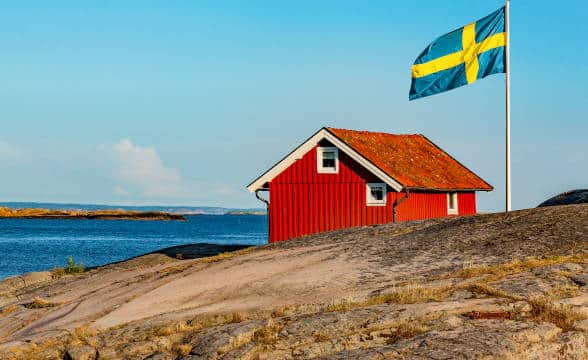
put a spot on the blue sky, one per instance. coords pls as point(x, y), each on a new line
point(185, 102)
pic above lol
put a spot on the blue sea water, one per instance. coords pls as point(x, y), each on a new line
point(35, 245)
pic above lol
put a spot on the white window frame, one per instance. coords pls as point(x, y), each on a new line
point(319, 160)
point(455, 210)
point(368, 194)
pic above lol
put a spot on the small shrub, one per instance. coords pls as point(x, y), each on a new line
point(39, 303)
point(183, 349)
point(72, 267)
point(267, 335)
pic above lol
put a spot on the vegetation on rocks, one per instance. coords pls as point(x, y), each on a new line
point(39, 303)
point(71, 268)
point(36, 213)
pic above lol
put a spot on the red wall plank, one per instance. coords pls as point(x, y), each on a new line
point(466, 203)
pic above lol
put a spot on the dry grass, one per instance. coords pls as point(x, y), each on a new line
point(562, 315)
point(321, 336)
point(407, 329)
point(412, 294)
point(563, 291)
point(216, 320)
point(279, 312)
point(342, 305)
point(7, 310)
point(200, 323)
point(40, 303)
point(171, 270)
point(53, 348)
point(179, 327)
point(183, 349)
point(57, 273)
point(237, 317)
point(485, 289)
point(543, 308)
point(47, 347)
point(267, 335)
point(515, 266)
point(83, 335)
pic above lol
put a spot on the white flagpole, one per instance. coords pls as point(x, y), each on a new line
point(507, 55)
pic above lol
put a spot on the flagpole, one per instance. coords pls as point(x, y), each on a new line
point(507, 64)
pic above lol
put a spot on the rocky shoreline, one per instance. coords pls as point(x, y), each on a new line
point(488, 286)
point(34, 213)
point(12, 287)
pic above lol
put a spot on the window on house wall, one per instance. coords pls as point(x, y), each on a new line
point(375, 194)
point(452, 203)
point(327, 160)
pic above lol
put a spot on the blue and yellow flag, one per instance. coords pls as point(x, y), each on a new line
point(460, 57)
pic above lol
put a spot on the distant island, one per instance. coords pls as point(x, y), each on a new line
point(246, 212)
point(110, 214)
point(179, 210)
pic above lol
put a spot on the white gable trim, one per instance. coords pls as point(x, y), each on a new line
point(301, 150)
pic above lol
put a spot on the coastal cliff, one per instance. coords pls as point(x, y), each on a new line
point(486, 286)
point(35, 213)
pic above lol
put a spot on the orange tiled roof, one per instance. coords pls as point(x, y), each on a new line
point(412, 160)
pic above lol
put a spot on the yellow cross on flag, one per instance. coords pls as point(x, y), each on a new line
point(461, 57)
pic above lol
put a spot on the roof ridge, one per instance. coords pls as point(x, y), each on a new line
point(404, 161)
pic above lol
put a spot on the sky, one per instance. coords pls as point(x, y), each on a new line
point(186, 102)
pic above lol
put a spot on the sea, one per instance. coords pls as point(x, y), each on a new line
point(37, 244)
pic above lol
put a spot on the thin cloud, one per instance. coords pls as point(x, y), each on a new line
point(143, 169)
point(119, 191)
point(8, 151)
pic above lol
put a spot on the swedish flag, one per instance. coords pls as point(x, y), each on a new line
point(461, 57)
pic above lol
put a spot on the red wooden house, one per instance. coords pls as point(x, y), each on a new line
point(342, 178)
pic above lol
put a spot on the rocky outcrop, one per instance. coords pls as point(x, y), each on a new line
point(12, 286)
point(81, 352)
point(567, 198)
point(491, 286)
